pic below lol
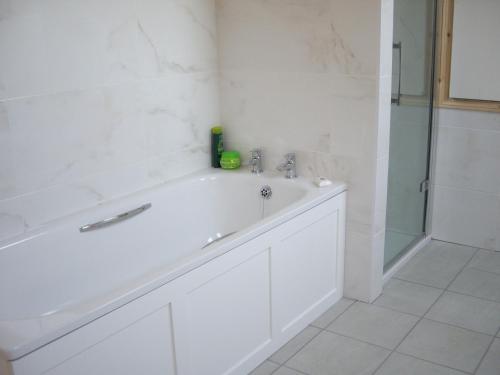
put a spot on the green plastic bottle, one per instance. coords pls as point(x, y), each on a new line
point(217, 146)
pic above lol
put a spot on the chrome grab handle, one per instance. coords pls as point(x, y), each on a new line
point(397, 99)
point(115, 219)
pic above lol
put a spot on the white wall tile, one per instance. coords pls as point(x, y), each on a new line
point(469, 119)
point(304, 76)
point(99, 99)
point(466, 217)
point(469, 159)
point(70, 45)
point(466, 203)
point(307, 36)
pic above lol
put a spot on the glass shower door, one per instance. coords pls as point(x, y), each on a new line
point(411, 118)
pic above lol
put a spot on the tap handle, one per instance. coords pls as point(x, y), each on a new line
point(290, 156)
point(256, 153)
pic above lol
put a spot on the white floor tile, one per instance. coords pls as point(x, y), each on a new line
point(446, 345)
point(477, 283)
point(329, 353)
point(265, 368)
point(287, 371)
point(491, 362)
point(374, 324)
point(294, 345)
point(436, 265)
point(329, 316)
point(486, 260)
point(357, 333)
point(407, 297)
point(399, 364)
point(468, 312)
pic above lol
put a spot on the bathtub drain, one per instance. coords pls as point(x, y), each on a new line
point(266, 192)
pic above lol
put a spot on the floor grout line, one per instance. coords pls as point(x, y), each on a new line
point(433, 363)
point(471, 295)
point(358, 340)
point(294, 369)
point(486, 352)
point(451, 290)
point(455, 326)
point(398, 311)
point(444, 290)
point(338, 316)
point(461, 244)
point(434, 320)
point(425, 313)
point(479, 269)
point(416, 283)
point(301, 347)
point(320, 329)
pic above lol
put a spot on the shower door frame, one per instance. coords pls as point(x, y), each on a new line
point(418, 243)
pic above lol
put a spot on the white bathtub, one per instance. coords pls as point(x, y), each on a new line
point(64, 292)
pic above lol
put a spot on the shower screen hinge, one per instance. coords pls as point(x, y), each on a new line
point(424, 186)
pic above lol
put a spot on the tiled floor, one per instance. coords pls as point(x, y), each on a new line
point(439, 315)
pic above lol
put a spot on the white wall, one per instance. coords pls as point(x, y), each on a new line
point(467, 179)
point(307, 76)
point(98, 99)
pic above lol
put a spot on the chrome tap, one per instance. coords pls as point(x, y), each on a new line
point(256, 161)
point(289, 166)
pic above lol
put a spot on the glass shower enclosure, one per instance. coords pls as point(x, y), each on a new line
point(411, 120)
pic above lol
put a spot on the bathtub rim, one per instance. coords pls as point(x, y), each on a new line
point(13, 348)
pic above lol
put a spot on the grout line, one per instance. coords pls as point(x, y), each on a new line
point(434, 320)
point(294, 369)
point(455, 326)
point(487, 350)
point(359, 340)
point(320, 330)
point(479, 269)
point(471, 295)
point(427, 311)
point(299, 349)
point(416, 283)
point(434, 363)
point(422, 317)
point(338, 316)
point(464, 245)
point(398, 311)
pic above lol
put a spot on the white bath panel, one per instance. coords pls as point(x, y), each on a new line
point(305, 269)
point(229, 317)
point(142, 348)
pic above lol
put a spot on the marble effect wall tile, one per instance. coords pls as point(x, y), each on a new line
point(70, 45)
point(101, 99)
point(302, 76)
point(308, 36)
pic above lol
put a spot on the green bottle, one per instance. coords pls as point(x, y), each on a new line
point(217, 146)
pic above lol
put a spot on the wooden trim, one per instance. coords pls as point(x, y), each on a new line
point(446, 38)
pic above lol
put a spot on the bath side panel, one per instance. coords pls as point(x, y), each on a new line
point(305, 265)
point(145, 347)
